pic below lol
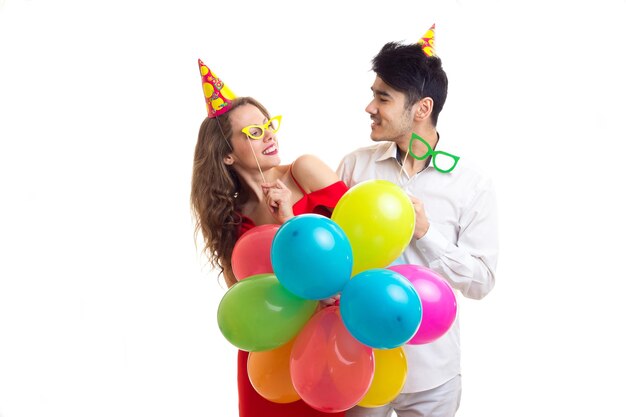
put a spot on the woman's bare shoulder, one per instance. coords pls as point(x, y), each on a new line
point(312, 173)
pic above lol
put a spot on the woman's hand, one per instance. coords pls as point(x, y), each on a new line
point(278, 199)
point(331, 301)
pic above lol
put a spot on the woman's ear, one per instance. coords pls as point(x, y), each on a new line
point(229, 160)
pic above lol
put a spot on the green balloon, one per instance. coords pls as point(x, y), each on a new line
point(258, 313)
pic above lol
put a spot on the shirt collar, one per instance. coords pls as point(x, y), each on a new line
point(387, 151)
point(390, 151)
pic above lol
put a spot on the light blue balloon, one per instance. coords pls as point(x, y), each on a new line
point(312, 256)
point(381, 308)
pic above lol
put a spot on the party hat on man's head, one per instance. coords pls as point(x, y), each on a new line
point(217, 94)
point(428, 41)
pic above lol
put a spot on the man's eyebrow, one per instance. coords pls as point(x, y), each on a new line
point(380, 92)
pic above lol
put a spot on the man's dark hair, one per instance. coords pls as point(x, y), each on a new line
point(408, 69)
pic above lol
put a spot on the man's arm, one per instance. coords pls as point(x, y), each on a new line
point(469, 266)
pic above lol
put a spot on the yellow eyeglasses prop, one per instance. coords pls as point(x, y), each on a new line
point(257, 132)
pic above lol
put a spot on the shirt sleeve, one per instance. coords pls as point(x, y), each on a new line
point(470, 264)
point(345, 169)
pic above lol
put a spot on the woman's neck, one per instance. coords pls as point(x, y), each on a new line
point(252, 181)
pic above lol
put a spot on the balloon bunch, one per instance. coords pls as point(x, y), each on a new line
point(336, 357)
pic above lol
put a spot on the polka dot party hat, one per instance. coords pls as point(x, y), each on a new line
point(217, 94)
point(428, 41)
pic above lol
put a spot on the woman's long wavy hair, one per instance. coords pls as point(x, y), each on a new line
point(216, 192)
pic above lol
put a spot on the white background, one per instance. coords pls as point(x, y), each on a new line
point(106, 306)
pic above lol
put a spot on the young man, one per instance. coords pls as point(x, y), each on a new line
point(455, 228)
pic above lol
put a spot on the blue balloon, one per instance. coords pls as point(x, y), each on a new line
point(311, 256)
point(381, 308)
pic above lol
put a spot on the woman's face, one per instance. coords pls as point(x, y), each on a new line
point(245, 149)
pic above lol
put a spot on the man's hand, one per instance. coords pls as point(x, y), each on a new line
point(278, 199)
point(421, 221)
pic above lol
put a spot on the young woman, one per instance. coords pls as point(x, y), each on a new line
point(238, 183)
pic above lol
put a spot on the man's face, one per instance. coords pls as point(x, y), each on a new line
point(391, 121)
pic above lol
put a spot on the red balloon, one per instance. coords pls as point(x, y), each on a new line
point(251, 254)
point(438, 302)
point(330, 369)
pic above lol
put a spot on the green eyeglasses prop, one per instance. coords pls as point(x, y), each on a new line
point(442, 161)
point(257, 132)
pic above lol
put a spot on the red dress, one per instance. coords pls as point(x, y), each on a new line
point(251, 404)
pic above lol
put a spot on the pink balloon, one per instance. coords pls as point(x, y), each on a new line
point(330, 369)
point(438, 302)
point(251, 254)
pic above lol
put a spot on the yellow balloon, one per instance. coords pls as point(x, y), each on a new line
point(378, 218)
point(389, 377)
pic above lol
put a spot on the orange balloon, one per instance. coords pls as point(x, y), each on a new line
point(269, 374)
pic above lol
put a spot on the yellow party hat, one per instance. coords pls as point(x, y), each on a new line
point(217, 94)
point(428, 41)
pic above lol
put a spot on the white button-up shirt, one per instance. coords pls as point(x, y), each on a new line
point(461, 243)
